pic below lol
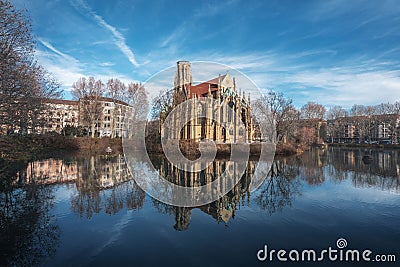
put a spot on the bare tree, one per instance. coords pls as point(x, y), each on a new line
point(336, 112)
point(115, 90)
point(337, 117)
point(23, 83)
point(136, 117)
point(137, 98)
point(313, 114)
point(280, 110)
point(89, 93)
point(312, 110)
point(364, 120)
point(307, 136)
point(396, 108)
point(384, 109)
point(162, 104)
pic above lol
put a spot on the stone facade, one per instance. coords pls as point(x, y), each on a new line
point(225, 119)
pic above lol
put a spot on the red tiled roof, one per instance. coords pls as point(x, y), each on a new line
point(202, 88)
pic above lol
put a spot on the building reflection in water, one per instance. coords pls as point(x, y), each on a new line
point(103, 184)
point(381, 171)
point(28, 230)
point(276, 192)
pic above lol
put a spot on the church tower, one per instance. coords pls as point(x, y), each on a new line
point(183, 81)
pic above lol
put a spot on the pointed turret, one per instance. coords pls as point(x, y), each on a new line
point(183, 79)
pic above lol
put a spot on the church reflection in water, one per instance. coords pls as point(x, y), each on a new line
point(223, 209)
point(104, 184)
point(28, 191)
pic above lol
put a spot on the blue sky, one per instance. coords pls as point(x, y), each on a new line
point(331, 52)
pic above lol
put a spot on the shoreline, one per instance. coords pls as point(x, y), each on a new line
point(33, 147)
point(352, 145)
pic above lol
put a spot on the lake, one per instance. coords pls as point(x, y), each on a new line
point(74, 211)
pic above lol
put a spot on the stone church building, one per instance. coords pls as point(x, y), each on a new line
point(215, 110)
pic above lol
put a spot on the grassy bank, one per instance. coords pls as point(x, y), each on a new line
point(288, 149)
point(30, 147)
point(97, 146)
point(33, 146)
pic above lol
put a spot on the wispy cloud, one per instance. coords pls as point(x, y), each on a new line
point(354, 82)
point(64, 67)
point(68, 69)
point(205, 10)
point(335, 52)
point(119, 39)
point(178, 33)
point(348, 86)
point(58, 52)
point(327, 10)
point(212, 9)
point(107, 64)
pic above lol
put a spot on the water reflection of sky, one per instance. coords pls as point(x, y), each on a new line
point(119, 226)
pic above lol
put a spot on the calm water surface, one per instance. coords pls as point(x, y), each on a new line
point(88, 212)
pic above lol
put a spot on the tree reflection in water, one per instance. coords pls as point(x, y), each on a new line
point(28, 232)
point(382, 172)
point(280, 187)
point(104, 183)
point(284, 180)
point(277, 191)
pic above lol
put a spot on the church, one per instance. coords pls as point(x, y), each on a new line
point(212, 110)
